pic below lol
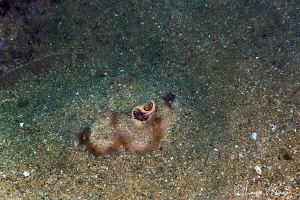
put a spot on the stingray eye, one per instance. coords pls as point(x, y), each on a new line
point(148, 107)
point(139, 115)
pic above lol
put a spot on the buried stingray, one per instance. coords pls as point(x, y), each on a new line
point(141, 132)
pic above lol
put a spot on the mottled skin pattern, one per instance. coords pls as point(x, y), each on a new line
point(141, 119)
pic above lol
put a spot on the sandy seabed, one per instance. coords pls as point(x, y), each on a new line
point(234, 71)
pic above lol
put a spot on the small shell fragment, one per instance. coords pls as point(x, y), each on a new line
point(258, 169)
point(254, 136)
point(25, 174)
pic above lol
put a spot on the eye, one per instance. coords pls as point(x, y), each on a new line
point(139, 115)
point(148, 107)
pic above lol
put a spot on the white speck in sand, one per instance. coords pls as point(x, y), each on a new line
point(25, 174)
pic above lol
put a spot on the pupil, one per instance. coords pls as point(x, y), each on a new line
point(139, 115)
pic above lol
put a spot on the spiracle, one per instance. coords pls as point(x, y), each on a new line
point(148, 107)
